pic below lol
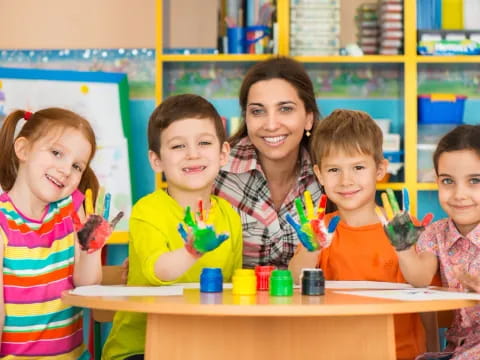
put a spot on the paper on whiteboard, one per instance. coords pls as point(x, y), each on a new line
point(110, 164)
point(122, 290)
point(100, 104)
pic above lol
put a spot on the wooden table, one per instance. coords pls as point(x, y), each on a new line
point(225, 326)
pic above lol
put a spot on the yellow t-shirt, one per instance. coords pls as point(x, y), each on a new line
point(153, 231)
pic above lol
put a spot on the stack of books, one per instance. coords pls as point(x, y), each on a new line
point(367, 28)
point(314, 27)
point(391, 27)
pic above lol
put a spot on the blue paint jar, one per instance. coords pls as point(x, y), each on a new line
point(211, 280)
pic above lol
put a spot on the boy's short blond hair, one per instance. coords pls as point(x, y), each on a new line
point(347, 130)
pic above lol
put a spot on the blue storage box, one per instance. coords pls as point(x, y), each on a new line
point(440, 108)
point(393, 156)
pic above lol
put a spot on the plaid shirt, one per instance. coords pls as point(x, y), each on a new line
point(267, 237)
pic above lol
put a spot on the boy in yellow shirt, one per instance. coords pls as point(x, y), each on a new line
point(187, 143)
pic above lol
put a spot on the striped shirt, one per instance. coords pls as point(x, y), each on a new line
point(267, 237)
point(37, 266)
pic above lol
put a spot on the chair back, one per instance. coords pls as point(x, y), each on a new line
point(111, 275)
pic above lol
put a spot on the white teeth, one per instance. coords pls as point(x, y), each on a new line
point(54, 181)
point(189, 169)
point(274, 139)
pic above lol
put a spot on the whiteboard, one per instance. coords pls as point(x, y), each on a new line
point(102, 98)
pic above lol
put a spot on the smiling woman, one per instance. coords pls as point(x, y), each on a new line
point(269, 165)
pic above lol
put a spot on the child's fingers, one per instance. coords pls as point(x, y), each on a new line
point(222, 237)
point(393, 201)
point(332, 225)
point(405, 200)
point(189, 219)
point(386, 206)
point(322, 205)
point(116, 219)
point(309, 205)
point(106, 206)
point(99, 204)
point(427, 219)
point(182, 232)
point(380, 216)
point(293, 223)
point(88, 202)
point(301, 214)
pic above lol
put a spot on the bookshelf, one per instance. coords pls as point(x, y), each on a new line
point(408, 62)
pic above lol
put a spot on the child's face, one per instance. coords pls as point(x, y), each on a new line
point(350, 180)
point(459, 188)
point(53, 165)
point(190, 155)
point(276, 119)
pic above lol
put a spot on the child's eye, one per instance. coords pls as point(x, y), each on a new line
point(178, 146)
point(359, 167)
point(205, 143)
point(56, 153)
point(333, 170)
point(446, 181)
point(77, 167)
point(475, 181)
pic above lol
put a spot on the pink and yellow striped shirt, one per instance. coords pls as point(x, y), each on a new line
point(37, 266)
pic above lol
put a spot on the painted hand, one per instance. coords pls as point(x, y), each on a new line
point(469, 281)
point(202, 237)
point(93, 234)
point(402, 229)
point(311, 231)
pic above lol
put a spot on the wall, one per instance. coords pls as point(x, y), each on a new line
point(58, 24)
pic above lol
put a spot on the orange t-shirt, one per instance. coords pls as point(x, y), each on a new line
point(365, 253)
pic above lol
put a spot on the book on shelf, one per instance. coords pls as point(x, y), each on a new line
point(306, 27)
point(317, 2)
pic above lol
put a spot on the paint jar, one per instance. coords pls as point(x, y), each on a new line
point(281, 283)
point(211, 280)
point(263, 273)
point(244, 282)
point(313, 282)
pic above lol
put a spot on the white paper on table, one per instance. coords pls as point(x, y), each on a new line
point(330, 284)
point(122, 290)
point(414, 294)
point(196, 285)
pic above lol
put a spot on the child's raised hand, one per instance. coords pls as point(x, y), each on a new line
point(311, 231)
point(402, 229)
point(468, 281)
point(202, 237)
point(93, 234)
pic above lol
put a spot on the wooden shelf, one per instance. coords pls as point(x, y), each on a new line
point(118, 237)
point(214, 58)
point(393, 186)
point(427, 187)
point(449, 59)
point(352, 59)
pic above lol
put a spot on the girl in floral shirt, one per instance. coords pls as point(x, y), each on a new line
point(453, 243)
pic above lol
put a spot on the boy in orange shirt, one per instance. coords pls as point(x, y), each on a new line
point(346, 149)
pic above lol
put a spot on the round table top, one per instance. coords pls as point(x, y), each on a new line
point(193, 302)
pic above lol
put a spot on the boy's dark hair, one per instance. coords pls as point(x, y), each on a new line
point(283, 68)
point(348, 130)
point(180, 107)
point(463, 137)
